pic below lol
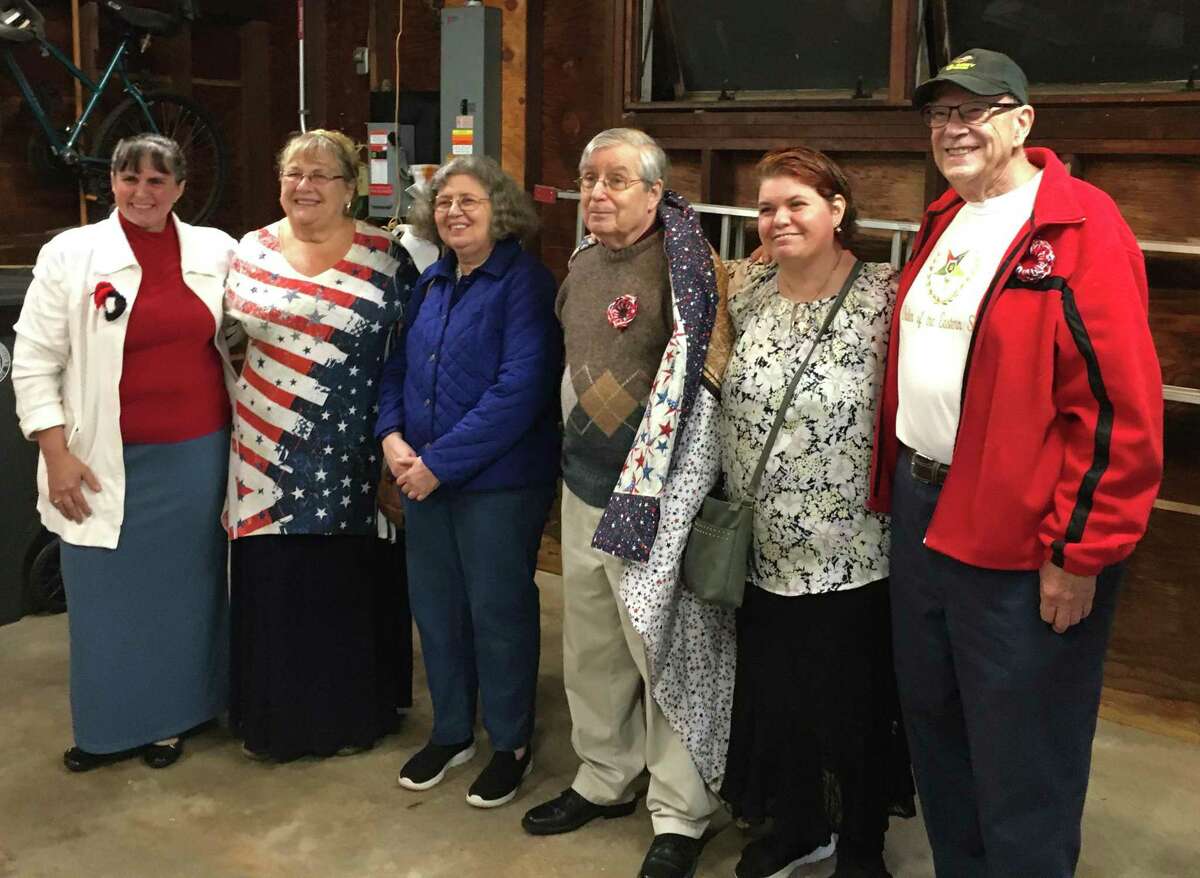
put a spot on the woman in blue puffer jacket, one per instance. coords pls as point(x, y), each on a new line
point(468, 418)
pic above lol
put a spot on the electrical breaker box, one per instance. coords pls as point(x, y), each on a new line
point(471, 50)
point(388, 157)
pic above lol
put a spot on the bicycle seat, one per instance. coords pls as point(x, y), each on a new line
point(20, 22)
point(150, 21)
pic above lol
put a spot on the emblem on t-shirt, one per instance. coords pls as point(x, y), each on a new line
point(947, 281)
point(5, 361)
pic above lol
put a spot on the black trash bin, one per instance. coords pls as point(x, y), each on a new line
point(26, 549)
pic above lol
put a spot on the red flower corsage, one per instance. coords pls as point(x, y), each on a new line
point(109, 300)
point(1042, 255)
point(622, 311)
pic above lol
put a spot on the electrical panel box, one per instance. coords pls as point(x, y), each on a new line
point(388, 157)
point(471, 50)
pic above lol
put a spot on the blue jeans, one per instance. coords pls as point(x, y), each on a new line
point(471, 561)
point(1000, 711)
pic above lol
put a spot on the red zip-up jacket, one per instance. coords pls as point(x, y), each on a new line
point(1059, 448)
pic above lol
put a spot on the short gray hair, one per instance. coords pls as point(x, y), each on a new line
point(163, 153)
point(513, 213)
point(655, 164)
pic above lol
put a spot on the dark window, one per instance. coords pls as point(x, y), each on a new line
point(705, 49)
point(1084, 41)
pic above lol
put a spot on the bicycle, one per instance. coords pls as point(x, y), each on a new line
point(160, 112)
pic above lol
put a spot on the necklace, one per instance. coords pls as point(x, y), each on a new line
point(780, 281)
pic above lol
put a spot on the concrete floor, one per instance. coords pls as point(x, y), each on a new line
point(216, 814)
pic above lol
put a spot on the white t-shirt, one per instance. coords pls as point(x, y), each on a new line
point(938, 316)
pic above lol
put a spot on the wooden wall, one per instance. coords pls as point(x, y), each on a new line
point(1144, 153)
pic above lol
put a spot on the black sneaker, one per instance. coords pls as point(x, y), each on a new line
point(497, 784)
point(427, 768)
point(776, 856)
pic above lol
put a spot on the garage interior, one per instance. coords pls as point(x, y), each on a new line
point(566, 69)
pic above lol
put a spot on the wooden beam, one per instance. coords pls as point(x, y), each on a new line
point(716, 177)
point(617, 33)
point(254, 160)
point(316, 62)
point(904, 34)
point(534, 80)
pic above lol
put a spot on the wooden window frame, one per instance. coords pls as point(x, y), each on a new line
point(1087, 121)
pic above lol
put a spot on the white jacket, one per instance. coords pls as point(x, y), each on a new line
point(67, 358)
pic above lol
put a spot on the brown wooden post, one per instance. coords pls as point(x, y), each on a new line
point(534, 79)
point(900, 69)
point(316, 62)
point(254, 161)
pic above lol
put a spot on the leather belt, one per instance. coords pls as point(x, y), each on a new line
point(926, 469)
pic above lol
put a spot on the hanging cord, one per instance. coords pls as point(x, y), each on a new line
point(395, 220)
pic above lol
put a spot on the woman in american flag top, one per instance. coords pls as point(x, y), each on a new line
point(315, 632)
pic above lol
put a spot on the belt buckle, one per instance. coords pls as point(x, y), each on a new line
point(926, 469)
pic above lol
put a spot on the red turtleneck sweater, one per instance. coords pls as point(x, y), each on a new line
point(172, 383)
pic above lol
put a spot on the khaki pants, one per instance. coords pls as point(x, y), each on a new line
point(617, 729)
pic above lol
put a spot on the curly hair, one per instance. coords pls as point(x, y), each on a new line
point(815, 169)
point(513, 213)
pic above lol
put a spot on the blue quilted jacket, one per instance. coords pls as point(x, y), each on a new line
point(472, 381)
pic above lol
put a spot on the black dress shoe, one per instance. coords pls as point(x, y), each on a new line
point(162, 755)
point(671, 856)
point(860, 867)
point(81, 760)
point(568, 812)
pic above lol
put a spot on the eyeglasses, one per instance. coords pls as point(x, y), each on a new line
point(615, 183)
point(316, 178)
point(466, 203)
point(970, 112)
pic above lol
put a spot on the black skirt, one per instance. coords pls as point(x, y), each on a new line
point(322, 643)
point(816, 742)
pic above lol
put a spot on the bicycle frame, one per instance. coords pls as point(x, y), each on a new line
point(66, 149)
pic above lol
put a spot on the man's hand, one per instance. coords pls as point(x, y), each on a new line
point(396, 450)
point(418, 481)
point(1066, 598)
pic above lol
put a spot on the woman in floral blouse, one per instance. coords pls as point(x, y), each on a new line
point(815, 703)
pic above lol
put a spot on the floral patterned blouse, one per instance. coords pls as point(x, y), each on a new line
point(812, 530)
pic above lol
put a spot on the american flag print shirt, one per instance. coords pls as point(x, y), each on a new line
point(303, 450)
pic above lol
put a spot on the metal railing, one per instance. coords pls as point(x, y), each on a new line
point(732, 242)
point(733, 245)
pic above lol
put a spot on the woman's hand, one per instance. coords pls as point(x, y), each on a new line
point(419, 481)
point(398, 454)
point(66, 474)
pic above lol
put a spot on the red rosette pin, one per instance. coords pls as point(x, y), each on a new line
point(1038, 262)
point(108, 300)
point(622, 311)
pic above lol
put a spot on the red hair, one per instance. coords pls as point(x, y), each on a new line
point(815, 169)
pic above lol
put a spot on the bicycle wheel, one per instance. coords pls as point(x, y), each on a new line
point(189, 125)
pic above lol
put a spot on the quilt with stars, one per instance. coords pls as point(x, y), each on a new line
point(303, 453)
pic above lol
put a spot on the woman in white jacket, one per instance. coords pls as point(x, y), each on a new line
point(122, 377)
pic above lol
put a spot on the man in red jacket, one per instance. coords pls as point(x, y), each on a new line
point(1019, 450)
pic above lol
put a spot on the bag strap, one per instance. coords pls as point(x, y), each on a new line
point(855, 270)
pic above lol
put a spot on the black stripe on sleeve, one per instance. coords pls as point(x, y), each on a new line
point(1102, 442)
